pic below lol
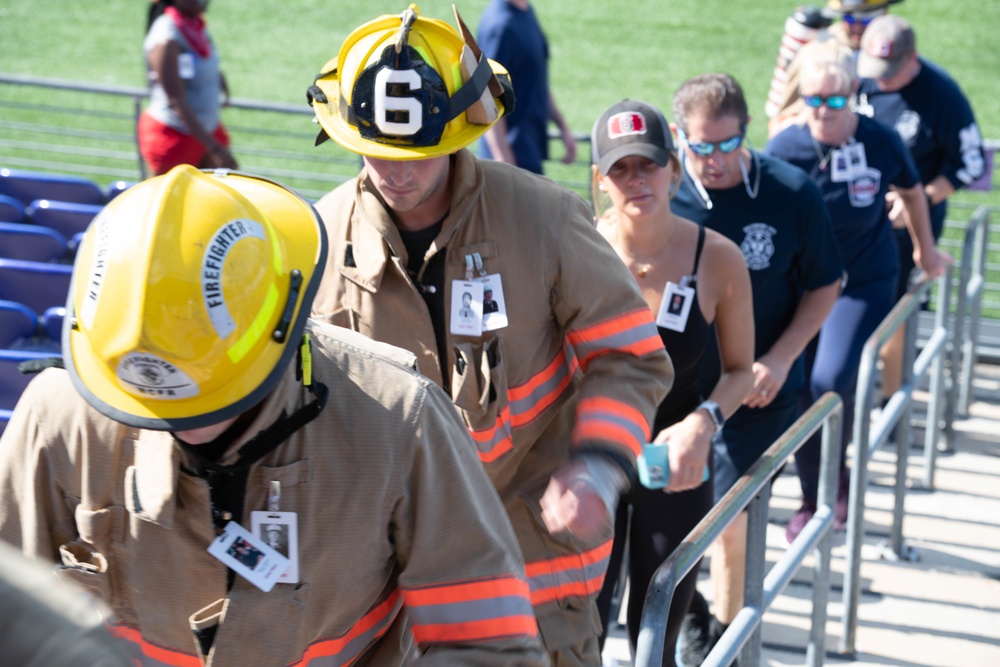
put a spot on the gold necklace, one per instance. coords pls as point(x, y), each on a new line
point(642, 265)
point(824, 159)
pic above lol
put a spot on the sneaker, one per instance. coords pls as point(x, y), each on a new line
point(695, 639)
point(800, 519)
point(843, 493)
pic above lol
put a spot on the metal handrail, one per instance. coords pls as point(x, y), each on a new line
point(743, 637)
point(868, 437)
point(973, 285)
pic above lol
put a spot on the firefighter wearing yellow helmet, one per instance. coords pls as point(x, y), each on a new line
point(559, 381)
point(202, 405)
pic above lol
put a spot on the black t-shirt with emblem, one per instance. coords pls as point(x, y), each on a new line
point(786, 238)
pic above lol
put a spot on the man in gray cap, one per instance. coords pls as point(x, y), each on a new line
point(932, 115)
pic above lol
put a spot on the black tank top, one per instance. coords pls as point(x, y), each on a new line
point(685, 349)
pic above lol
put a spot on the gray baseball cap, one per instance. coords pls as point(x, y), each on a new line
point(887, 45)
point(630, 128)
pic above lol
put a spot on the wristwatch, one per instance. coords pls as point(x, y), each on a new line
point(715, 413)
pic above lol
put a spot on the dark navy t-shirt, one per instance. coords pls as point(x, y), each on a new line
point(935, 121)
point(514, 38)
point(855, 193)
point(787, 241)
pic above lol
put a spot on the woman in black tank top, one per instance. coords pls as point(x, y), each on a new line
point(690, 278)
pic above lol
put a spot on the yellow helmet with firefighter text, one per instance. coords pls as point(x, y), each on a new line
point(189, 298)
point(405, 87)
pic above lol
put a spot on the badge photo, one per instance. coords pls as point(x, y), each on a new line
point(675, 307)
point(248, 556)
point(466, 308)
point(280, 531)
point(494, 304)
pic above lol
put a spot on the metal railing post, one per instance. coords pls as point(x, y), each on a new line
point(830, 472)
point(753, 490)
point(856, 494)
point(957, 333)
point(868, 438)
point(932, 432)
point(903, 431)
point(756, 568)
point(977, 286)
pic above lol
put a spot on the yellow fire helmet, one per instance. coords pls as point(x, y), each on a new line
point(189, 297)
point(839, 7)
point(407, 88)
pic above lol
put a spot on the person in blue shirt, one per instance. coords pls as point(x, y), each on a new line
point(510, 34)
point(776, 215)
point(854, 161)
point(932, 115)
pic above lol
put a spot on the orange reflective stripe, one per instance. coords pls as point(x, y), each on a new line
point(576, 575)
point(344, 649)
point(477, 630)
point(471, 610)
point(530, 399)
point(631, 333)
point(495, 441)
point(465, 591)
point(152, 655)
point(603, 418)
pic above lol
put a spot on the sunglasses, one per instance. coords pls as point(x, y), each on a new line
point(706, 148)
point(833, 101)
point(861, 19)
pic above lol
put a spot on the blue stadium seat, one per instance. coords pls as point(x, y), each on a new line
point(27, 186)
point(52, 322)
point(18, 324)
point(38, 285)
point(11, 210)
point(74, 242)
point(118, 187)
point(31, 242)
point(67, 218)
point(13, 381)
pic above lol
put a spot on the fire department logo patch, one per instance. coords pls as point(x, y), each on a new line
point(758, 245)
point(625, 124)
point(864, 188)
point(150, 376)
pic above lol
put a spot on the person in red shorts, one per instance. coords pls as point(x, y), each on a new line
point(182, 123)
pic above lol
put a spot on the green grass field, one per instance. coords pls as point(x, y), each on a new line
point(601, 51)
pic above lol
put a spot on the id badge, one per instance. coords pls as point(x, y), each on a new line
point(675, 307)
point(185, 65)
point(466, 308)
point(494, 305)
point(248, 556)
point(857, 159)
point(280, 531)
point(840, 169)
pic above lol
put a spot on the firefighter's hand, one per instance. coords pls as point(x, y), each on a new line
point(581, 498)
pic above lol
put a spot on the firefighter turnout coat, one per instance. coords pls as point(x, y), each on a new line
point(578, 367)
point(403, 546)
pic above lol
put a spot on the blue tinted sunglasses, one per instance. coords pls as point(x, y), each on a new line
point(861, 19)
point(706, 148)
point(833, 101)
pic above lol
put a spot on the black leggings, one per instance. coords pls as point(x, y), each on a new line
point(660, 521)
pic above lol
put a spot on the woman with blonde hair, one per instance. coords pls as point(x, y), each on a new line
point(856, 162)
point(690, 277)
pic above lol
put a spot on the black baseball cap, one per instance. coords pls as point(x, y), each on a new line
point(630, 128)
